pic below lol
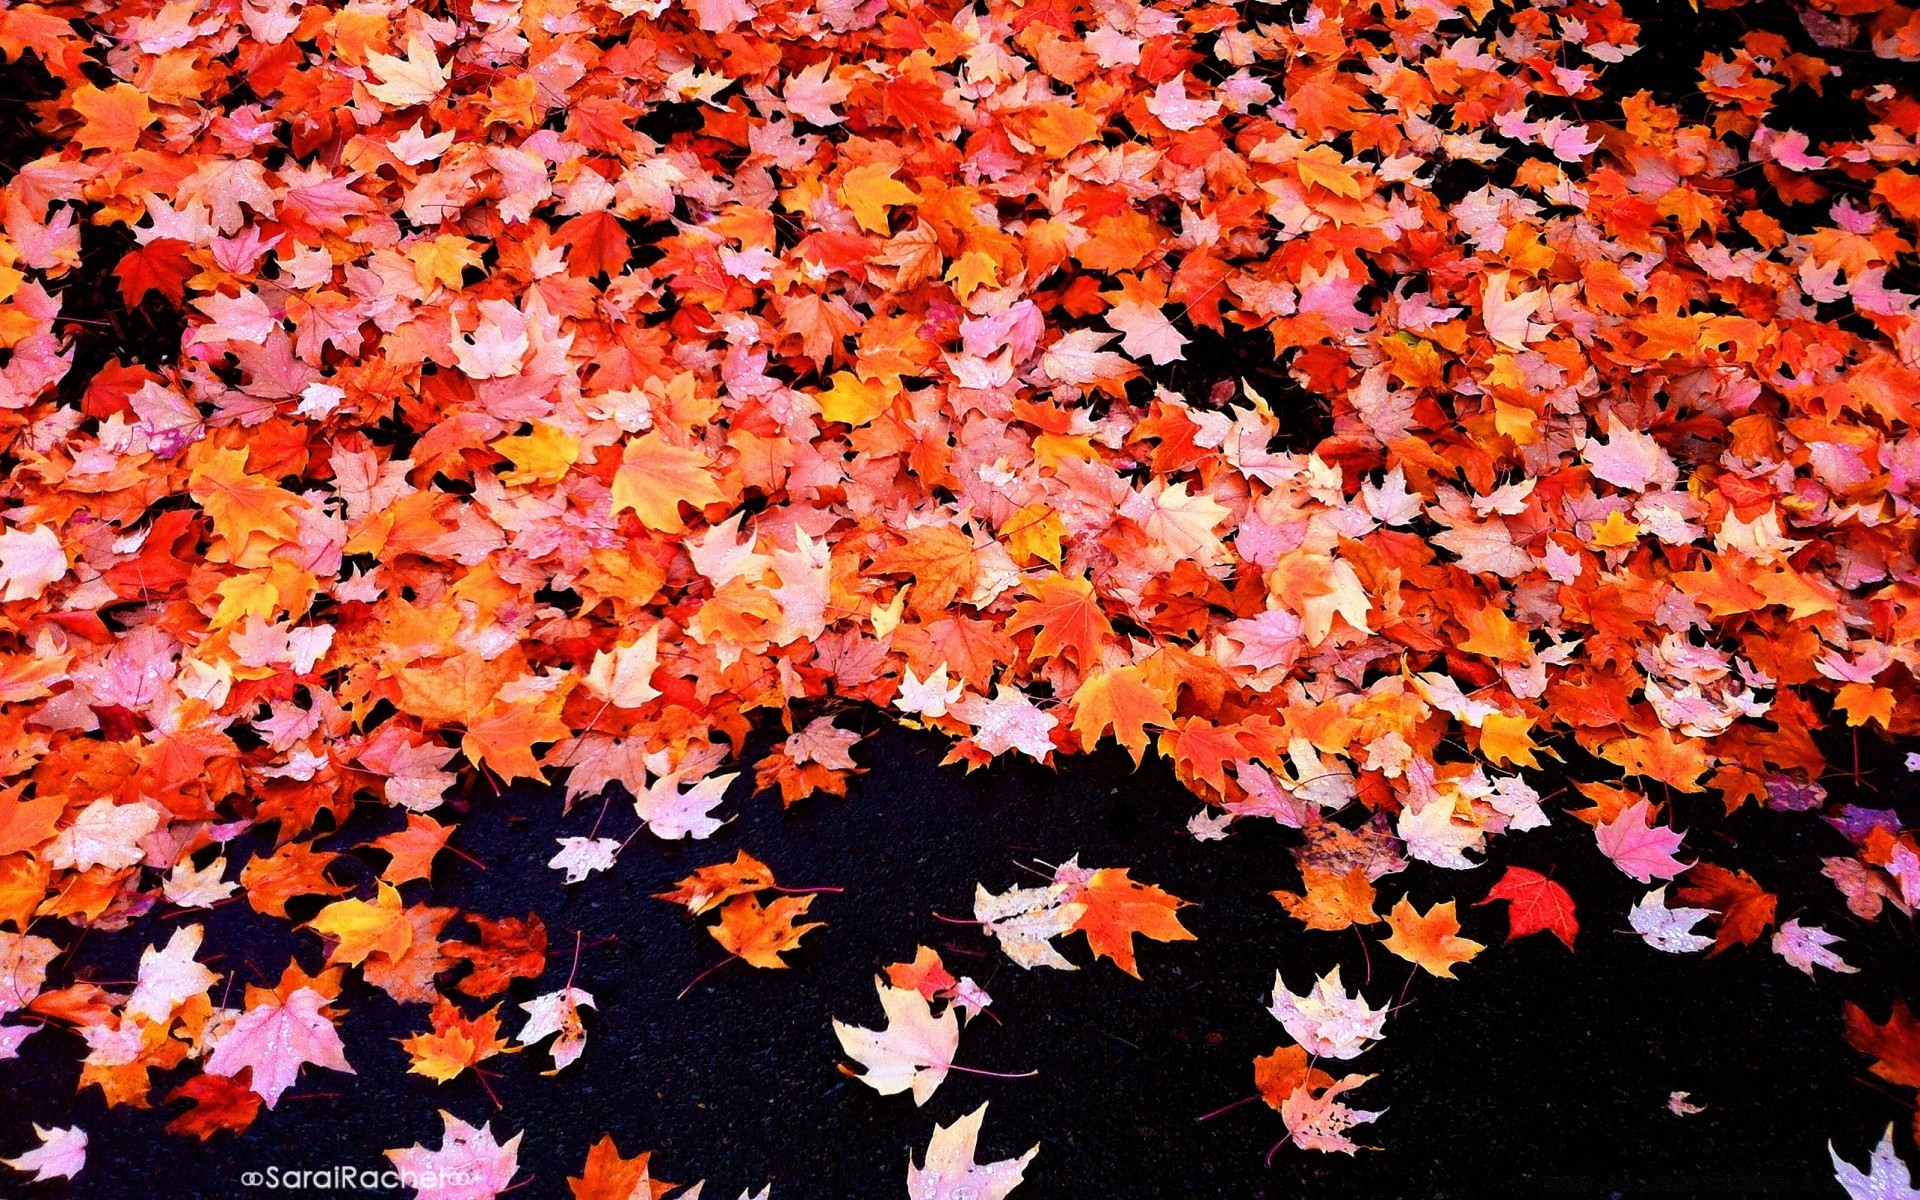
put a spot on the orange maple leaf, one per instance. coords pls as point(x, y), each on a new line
point(761, 935)
point(1429, 940)
point(656, 477)
point(707, 887)
point(1124, 701)
point(1066, 616)
point(609, 1176)
point(1332, 900)
point(455, 1043)
point(1117, 908)
point(413, 848)
point(942, 561)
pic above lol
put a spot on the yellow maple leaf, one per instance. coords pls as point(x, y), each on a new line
point(656, 476)
point(543, 456)
point(442, 260)
point(868, 191)
point(1506, 739)
point(242, 506)
point(364, 929)
point(971, 271)
point(1323, 165)
point(853, 401)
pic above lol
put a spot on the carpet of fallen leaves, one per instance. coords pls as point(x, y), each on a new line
point(569, 387)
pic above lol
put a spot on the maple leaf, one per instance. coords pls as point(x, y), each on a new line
point(1886, 1177)
point(24, 958)
point(1637, 846)
point(580, 857)
point(218, 1103)
point(295, 869)
point(1278, 1075)
point(1148, 332)
point(1026, 920)
point(1535, 903)
point(1433, 835)
point(243, 506)
point(1806, 947)
point(929, 976)
point(413, 849)
point(1333, 900)
point(610, 1176)
point(469, 1165)
point(914, 1051)
point(31, 560)
point(655, 477)
point(1429, 940)
point(1009, 721)
point(1507, 317)
point(203, 887)
point(1327, 1021)
point(942, 561)
point(360, 928)
point(170, 977)
point(623, 676)
point(1745, 908)
point(61, 1154)
point(810, 94)
point(275, 1038)
point(949, 1170)
point(707, 887)
point(28, 824)
point(1895, 1044)
point(415, 79)
point(160, 265)
point(509, 949)
point(1317, 1120)
point(503, 737)
point(1114, 908)
point(1122, 700)
point(673, 814)
point(1066, 617)
point(1175, 110)
point(1668, 929)
point(870, 190)
point(494, 351)
point(597, 244)
point(113, 116)
point(557, 1015)
point(455, 1042)
point(761, 935)
point(104, 834)
point(1629, 458)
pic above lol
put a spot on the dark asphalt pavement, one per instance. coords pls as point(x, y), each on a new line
point(1539, 1072)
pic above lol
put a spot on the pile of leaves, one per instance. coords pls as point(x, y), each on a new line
point(570, 387)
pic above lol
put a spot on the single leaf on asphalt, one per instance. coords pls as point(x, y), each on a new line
point(1116, 908)
point(761, 935)
point(1535, 903)
point(915, 1050)
point(1429, 940)
point(950, 1172)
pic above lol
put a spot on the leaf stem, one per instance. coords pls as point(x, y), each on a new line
point(992, 1074)
point(702, 975)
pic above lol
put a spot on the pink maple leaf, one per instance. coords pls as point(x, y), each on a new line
point(275, 1039)
point(469, 1165)
point(1639, 847)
